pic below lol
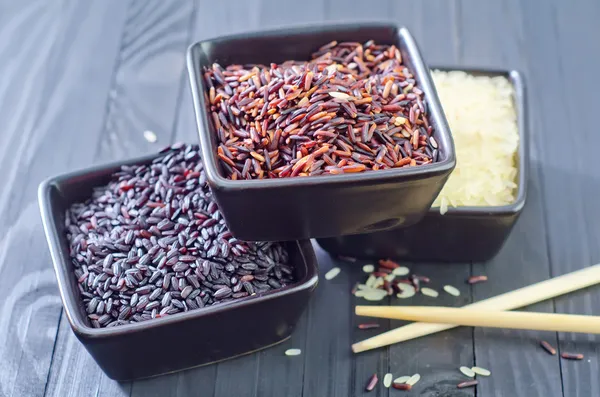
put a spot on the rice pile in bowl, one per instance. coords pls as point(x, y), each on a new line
point(481, 114)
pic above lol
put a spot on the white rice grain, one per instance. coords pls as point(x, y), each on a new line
point(413, 379)
point(452, 290)
point(368, 268)
point(401, 271)
point(293, 352)
point(150, 136)
point(467, 371)
point(429, 292)
point(332, 273)
point(481, 371)
point(406, 291)
point(387, 380)
point(402, 379)
point(481, 114)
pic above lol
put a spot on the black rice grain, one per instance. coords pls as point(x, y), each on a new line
point(153, 243)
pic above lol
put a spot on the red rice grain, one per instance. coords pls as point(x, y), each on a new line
point(352, 108)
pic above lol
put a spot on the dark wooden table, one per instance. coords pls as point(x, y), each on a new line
point(81, 80)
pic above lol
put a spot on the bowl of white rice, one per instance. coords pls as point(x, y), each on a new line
point(483, 197)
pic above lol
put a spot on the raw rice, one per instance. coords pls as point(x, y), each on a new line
point(150, 136)
point(429, 292)
point(482, 117)
point(413, 379)
point(572, 356)
point(332, 273)
point(368, 268)
point(375, 295)
point(152, 243)
point(401, 271)
point(467, 371)
point(402, 379)
point(481, 371)
point(407, 291)
point(548, 347)
point(371, 281)
point(390, 277)
point(401, 386)
point(387, 380)
point(320, 117)
point(368, 326)
point(293, 352)
point(469, 383)
point(372, 382)
point(451, 290)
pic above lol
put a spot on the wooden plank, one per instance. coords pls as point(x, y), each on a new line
point(328, 364)
point(555, 47)
point(56, 78)
point(331, 368)
point(277, 374)
point(149, 77)
point(514, 357)
point(237, 376)
point(146, 83)
point(357, 10)
point(75, 373)
point(434, 357)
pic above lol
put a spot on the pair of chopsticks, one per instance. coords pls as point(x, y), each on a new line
point(490, 312)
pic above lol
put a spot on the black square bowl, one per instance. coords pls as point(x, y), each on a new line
point(318, 206)
point(462, 234)
point(183, 340)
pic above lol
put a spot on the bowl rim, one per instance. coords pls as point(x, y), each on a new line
point(420, 71)
point(517, 80)
point(70, 297)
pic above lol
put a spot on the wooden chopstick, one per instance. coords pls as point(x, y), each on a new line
point(511, 300)
point(486, 318)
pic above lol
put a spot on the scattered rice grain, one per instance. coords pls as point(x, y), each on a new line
point(467, 371)
point(368, 326)
point(452, 290)
point(481, 371)
point(407, 291)
point(387, 380)
point(150, 136)
point(469, 383)
point(402, 379)
point(293, 352)
point(572, 356)
point(401, 271)
point(368, 268)
point(548, 347)
point(372, 382)
point(401, 386)
point(375, 294)
point(413, 379)
point(476, 279)
point(429, 292)
point(371, 281)
point(332, 273)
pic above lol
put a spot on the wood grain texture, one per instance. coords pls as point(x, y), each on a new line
point(148, 79)
point(56, 66)
point(566, 118)
point(513, 356)
point(147, 76)
point(436, 357)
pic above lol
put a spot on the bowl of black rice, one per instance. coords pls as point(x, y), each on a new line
point(151, 278)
